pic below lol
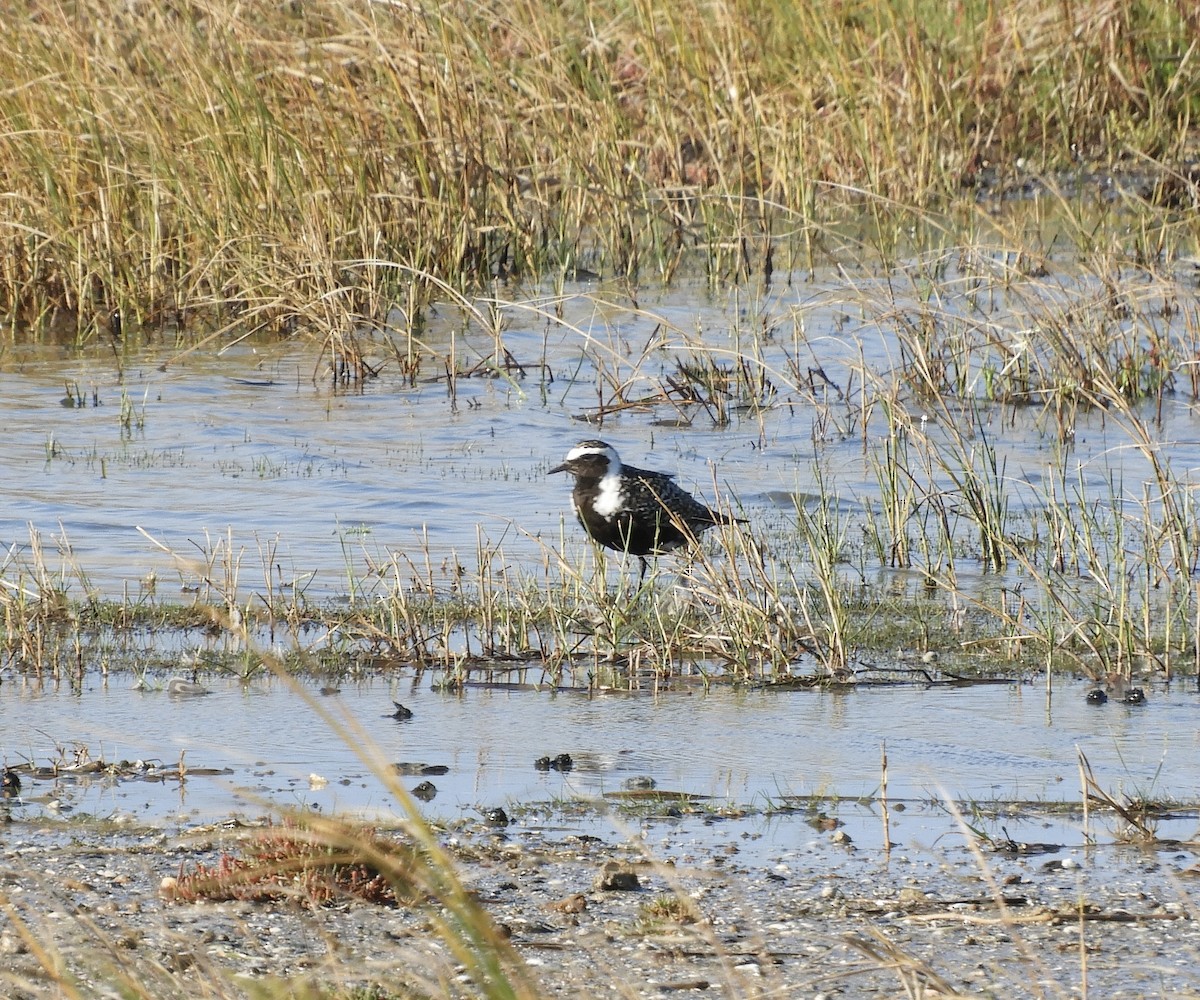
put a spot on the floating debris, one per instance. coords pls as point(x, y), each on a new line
point(121, 770)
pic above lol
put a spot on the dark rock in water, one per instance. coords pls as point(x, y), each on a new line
point(562, 762)
point(1096, 697)
point(1134, 696)
point(824, 822)
point(401, 714)
point(495, 817)
point(11, 784)
point(425, 791)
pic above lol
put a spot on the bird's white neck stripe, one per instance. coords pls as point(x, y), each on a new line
point(608, 499)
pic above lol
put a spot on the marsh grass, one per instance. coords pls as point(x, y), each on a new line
point(219, 167)
point(804, 600)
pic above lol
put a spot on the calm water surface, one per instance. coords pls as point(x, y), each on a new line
point(983, 743)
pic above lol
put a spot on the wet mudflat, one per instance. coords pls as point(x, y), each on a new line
point(813, 914)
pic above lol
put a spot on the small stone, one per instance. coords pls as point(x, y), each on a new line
point(11, 944)
point(574, 903)
point(11, 785)
point(618, 877)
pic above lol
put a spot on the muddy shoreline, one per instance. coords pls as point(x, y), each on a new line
point(822, 917)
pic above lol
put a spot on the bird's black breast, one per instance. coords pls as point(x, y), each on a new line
point(641, 526)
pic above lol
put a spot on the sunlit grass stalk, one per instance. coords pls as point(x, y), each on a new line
point(897, 491)
point(823, 535)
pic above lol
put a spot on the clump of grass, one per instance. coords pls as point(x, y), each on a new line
point(1137, 813)
point(306, 862)
point(667, 910)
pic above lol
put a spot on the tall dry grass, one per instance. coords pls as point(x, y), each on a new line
point(259, 165)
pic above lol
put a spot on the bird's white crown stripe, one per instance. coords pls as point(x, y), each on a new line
point(575, 453)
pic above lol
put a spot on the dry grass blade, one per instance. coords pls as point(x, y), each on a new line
point(1134, 814)
point(917, 978)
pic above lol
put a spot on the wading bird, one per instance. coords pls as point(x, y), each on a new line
point(633, 510)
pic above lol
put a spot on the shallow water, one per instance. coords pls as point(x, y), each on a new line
point(983, 744)
point(247, 470)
